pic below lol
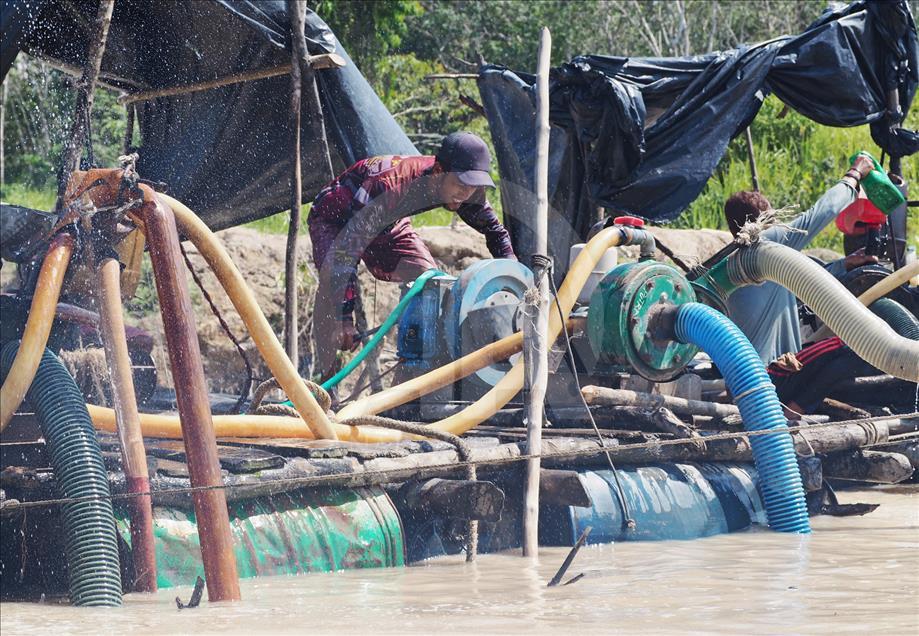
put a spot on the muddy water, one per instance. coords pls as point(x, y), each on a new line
point(853, 575)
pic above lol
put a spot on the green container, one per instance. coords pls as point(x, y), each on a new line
point(306, 530)
point(878, 187)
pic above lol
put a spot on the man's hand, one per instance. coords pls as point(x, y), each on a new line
point(347, 335)
point(862, 164)
point(859, 258)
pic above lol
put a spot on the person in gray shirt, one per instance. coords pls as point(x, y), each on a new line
point(768, 314)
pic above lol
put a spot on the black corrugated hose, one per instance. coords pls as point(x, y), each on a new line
point(91, 542)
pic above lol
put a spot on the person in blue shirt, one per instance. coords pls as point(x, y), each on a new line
point(768, 313)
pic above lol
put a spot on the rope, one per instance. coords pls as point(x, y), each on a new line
point(250, 376)
point(318, 480)
point(257, 408)
point(627, 520)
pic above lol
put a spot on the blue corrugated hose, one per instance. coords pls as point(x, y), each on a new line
point(746, 378)
point(90, 540)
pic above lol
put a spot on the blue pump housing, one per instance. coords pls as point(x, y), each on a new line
point(420, 327)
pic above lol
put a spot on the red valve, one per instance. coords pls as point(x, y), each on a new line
point(631, 221)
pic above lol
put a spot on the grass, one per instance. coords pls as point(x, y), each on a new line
point(797, 161)
point(21, 194)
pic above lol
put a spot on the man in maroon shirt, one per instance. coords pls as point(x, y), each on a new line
point(364, 215)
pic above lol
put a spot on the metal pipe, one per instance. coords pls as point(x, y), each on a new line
point(129, 433)
point(38, 327)
point(536, 324)
point(192, 400)
point(261, 332)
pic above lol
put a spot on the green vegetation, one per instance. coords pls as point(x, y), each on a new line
point(398, 43)
point(797, 161)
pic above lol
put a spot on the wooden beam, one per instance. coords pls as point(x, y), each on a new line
point(324, 61)
point(84, 103)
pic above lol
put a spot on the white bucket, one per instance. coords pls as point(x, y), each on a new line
point(607, 262)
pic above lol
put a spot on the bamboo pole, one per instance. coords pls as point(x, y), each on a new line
point(192, 400)
point(128, 129)
point(84, 104)
point(325, 60)
point(536, 325)
point(133, 455)
point(754, 174)
point(897, 220)
point(620, 397)
point(297, 16)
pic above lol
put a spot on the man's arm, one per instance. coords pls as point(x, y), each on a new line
point(806, 226)
point(478, 214)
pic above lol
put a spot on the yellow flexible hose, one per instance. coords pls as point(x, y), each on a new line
point(878, 290)
point(38, 327)
point(260, 426)
point(242, 298)
point(435, 379)
point(279, 426)
point(888, 283)
point(506, 388)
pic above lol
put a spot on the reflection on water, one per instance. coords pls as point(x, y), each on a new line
point(852, 575)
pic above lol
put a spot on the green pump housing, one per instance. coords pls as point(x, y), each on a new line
point(628, 318)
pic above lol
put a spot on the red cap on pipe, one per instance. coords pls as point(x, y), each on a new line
point(631, 221)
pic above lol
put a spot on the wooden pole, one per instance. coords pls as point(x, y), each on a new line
point(2, 136)
point(297, 16)
point(84, 104)
point(536, 325)
point(896, 221)
point(325, 60)
point(754, 175)
point(620, 397)
point(128, 129)
point(192, 400)
point(133, 455)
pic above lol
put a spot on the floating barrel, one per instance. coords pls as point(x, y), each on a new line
point(287, 533)
point(669, 501)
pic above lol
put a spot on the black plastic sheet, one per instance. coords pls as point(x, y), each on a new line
point(225, 152)
point(643, 135)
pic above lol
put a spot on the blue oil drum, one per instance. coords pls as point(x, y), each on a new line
point(669, 501)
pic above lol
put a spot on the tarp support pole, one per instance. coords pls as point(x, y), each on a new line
point(754, 175)
point(536, 323)
point(893, 106)
point(326, 60)
point(84, 104)
point(128, 129)
point(296, 11)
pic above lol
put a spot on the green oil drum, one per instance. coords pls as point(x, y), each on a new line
point(306, 530)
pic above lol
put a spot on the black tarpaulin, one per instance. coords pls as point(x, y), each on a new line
point(225, 152)
point(643, 135)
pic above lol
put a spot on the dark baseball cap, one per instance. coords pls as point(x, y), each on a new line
point(467, 156)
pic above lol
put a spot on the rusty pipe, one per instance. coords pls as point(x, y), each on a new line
point(129, 433)
point(192, 400)
point(262, 335)
point(38, 326)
